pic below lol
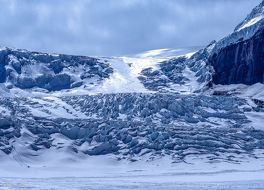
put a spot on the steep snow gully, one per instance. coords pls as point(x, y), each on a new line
point(176, 110)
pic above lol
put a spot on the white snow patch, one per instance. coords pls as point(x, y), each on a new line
point(152, 53)
point(167, 53)
point(122, 80)
point(193, 84)
point(78, 165)
point(190, 86)
point(255, 91)
point(249, 93)
point(61, 140)
point(251, 22)
point(4, 111)
point(137, 65)
point(53, 107)
point(257, 119)
point(4, 91)
point(189, 55)
point(122, 116)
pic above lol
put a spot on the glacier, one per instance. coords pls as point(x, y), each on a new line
point(173, 115)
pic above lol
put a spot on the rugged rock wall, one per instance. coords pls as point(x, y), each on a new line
point(242, 62)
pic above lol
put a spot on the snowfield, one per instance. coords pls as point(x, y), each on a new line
point(104, 172)
point(124, 183)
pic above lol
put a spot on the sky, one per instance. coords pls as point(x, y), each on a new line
point(117, 27)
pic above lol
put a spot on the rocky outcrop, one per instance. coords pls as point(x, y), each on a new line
point(242, 62)
point(238, 58)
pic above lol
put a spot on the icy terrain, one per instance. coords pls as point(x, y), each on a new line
point(123, 184)
point(184, 118)
point(152, 117)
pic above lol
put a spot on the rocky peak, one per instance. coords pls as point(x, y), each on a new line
point(254, 17)
point(238, 58)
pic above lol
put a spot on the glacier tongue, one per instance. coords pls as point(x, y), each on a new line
point(132, 125)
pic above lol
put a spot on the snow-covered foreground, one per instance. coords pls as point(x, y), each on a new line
point(123, 183)
point(100, 173)
point(53, 171)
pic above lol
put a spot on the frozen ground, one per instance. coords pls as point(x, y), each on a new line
point(104, 172)
point(139, 180)
point(122, 184)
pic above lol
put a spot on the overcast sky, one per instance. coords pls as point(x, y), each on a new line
point(117, 27)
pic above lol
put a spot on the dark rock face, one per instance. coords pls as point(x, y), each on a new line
point(242, 62)
point(2, 66)
point(60, 82)
point(5, 123)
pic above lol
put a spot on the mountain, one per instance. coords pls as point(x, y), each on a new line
point(238, 58)
point(182, 106)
